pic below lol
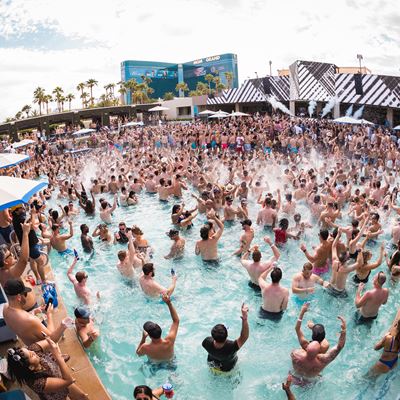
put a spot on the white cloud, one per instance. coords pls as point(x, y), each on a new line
point(179, 30)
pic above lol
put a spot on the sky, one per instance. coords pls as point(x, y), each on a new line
point(51, 43)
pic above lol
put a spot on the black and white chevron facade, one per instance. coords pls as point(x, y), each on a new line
point(378, 90)
point(309, 80)
point(253, 90)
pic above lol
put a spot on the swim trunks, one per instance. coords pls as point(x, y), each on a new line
point(272, 316)
point(357, 280)
point(254, 286)
point(66, 252)
point(360, 319)
point(321, 270)
point(337, 293)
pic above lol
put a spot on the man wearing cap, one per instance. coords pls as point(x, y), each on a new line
point(222, 352)
point(26, 326)
point(159, 349)
point(246, 238)
point(85, 326)
point(178, 245)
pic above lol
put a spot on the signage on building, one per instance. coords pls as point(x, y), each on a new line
point(208, 59)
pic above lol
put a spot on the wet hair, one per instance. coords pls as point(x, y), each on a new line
point(288, 196)
point(284, 223)
point(136, 230)
point(276, 275)
point(143, 389)
point(324, 233)
point(54, 227)
point(147, 268)
point(121, 255)
point(308, 266)
point(204, 232)
point(318, 333)
point(54, 214)
point(219, 333)
point(84, 228)
point(354, 223)
point(297, 217)
point(175, 208)
point(80, 276)
point(381, 278)
point(256, 255)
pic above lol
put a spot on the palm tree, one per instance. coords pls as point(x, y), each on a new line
point(81, 87)
point(84, 97)
point(26, 109)
point(69, 97)
point(182, 87)
point(58, 95)
point(209, 78)
point(62, 101)
point(34, 113)
point(217, 83)
point(47, 100)
point(201, 88)
point(219, 87)
point(110, 90)
point(18, 115)
point(168, 96)
point(122, 92)
point(38, 97)
point(229, 78)
point(90, 83)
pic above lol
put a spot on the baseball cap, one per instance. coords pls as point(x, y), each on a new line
point(82, 312)
point(172, 232)
point(15, 286)
point(152, 329)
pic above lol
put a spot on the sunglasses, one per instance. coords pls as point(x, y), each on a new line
point(16, 357)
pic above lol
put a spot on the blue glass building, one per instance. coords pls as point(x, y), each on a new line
point(165, 76)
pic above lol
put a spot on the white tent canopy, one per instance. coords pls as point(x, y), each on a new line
point(239, 114)
point(220, 114)
point(14, 191)
point(11, 159)
point(346, 120)
point(207, 112)
point(83, 132)
point(140, 123)
point(397, 128)
point(158, 108)
point(23, 143)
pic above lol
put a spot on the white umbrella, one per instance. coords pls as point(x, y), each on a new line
point(219, 114)
point(14, 191)
point(140, 123)
point(158, 108)
point(365, 122)
point(207, 112)
point(11, 159)
point(347, 120)
point(239, 114)
point(23, 143)
point(83, 132)
point(397, 128)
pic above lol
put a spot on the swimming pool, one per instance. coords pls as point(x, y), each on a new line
point(206, 295)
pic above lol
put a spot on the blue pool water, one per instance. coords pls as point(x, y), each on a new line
point(206, 295)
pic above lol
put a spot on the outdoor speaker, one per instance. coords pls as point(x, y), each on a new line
point(358, 84)
point(267, 85)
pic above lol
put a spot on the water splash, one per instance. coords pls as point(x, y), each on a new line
point(89, 172)
point(329, 106)
point(358, 114)
point(311, 107)
point(278, 105)
point(349, 111)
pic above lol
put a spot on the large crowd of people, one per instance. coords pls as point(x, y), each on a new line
point(347, 177)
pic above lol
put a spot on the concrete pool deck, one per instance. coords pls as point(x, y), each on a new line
point(82, 369)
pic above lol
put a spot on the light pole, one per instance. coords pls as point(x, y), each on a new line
point(360, 57)
point(270, 68)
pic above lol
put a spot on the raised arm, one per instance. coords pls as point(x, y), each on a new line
point(331, 354)
point(378, 262)
point(173, 330)
point(18, 269)
point(300, 336)
point(220, 225)
point(274, 248)
point(244, 333)
point(261, 278)
point(70, 272)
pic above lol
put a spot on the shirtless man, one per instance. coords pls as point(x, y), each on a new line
point(229, 211)
point(340, 271)
point(275, 297)
point(207, 246)
point(159, 349)
point(25, 325)
point(177, 186)
point(85, 328)
point(86, 240)
point(129, 260)
point(304, 282)
point(178, 245)
point(246, 238)
point(322, 253)
point(163, 190)
point(267, 216)
point(255, 268)
point(329, 213)
point(58, 241)
point(368, 304)
point(79, 281)
point(309, 363)
point(152, 288)
point(106, 211)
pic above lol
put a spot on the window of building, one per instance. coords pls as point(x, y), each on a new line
point(184, 111)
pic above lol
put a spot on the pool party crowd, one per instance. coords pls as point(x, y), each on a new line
point(346, 176)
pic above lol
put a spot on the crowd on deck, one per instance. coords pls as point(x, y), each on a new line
point(346, 176)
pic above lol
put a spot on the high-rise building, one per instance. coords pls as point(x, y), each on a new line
point(165, 76)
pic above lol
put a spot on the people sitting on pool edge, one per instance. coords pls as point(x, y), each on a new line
point(222, 352)
point(84, 325)
point(159, 349)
